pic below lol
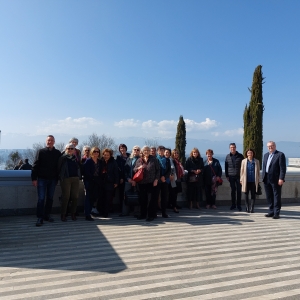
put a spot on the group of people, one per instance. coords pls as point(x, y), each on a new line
point(23, 165)
point(162, 175)
point(243, 175)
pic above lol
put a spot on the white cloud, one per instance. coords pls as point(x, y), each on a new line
point(166, 127)
point(67, 125)
point(127, 123)
point(234, 132)
point(205, 125)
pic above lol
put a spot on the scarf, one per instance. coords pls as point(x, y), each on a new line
point(178, 168)
point(163, 163)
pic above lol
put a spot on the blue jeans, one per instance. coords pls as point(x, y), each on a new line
point(45, 187)
point(236, 190)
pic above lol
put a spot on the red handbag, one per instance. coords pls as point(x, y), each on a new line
point(139, 175)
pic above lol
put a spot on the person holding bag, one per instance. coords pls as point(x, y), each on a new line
point(194, 165)
point(249, 178)
point(212, 178)
point(151, 175)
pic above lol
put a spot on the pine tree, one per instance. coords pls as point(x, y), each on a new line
point(180, 141)
point(253, 116)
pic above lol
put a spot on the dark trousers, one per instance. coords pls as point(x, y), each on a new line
point(121, 188)
point(148, 204)
point(273, 193)
point(45, 189)
point(210, 199)
point(88, 200)
point(106, 194)
point(164, 194)
point(194, 192)
point(173, 196)
point(236, 190)
point(251, 187)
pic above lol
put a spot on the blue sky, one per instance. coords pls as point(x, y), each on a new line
point(131, 68)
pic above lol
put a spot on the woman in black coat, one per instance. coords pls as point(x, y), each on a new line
point(194, 165)
point(109, 181)
point(92, 181)
point(212, 175)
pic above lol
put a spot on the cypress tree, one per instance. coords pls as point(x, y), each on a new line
point(253, 116)
point(180, 141)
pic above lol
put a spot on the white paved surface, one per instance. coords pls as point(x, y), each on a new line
point(207, 254)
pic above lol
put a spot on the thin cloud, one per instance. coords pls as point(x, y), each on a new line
point(68, 125)
point(127, 123)
point(234, 132)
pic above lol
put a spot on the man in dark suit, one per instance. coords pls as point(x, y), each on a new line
point(273, 174)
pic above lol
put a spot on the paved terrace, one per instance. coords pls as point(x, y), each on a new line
point(206, 254)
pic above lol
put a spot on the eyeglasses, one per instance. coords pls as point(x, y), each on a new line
point(70, 148)
point(96, 151)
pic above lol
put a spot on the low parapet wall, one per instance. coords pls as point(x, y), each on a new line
point(19, 196)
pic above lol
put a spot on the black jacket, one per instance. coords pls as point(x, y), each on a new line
point(209, 173)
point(233, 166)
point(111, 175)
point(45, 165)
point(195, 164)
point(121, 163)
point(63, 167)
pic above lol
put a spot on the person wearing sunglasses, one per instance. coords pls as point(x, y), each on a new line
point(69, 174)
point(92, 181)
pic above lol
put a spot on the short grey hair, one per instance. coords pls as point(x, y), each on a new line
point(86, 147)
point(74, 139)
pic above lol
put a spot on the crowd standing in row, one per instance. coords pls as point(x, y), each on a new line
point(154, 175)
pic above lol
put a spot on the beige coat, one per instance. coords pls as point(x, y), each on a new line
point(244, 174)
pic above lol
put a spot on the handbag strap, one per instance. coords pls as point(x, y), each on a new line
point(212, 169)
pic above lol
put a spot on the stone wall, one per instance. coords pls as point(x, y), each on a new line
point(18, 196)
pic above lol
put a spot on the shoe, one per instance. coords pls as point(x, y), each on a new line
point(63, 218)
point(175, 210)
point(165, 216)
point(39, 222)
point(276, 217)
point(95, 211)
point(89, 218)
point(214, 207)
point(239, 208)
point(149, 219)
point(269, 215)
point(73, 216)
point(232, 207)
point(49, 219)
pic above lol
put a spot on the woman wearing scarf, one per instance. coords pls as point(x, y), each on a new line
point(250, 178)
point(175, 188)
point(194, 166)
point(212, 174)
point(69, 173)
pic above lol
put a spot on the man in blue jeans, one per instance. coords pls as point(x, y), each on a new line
point(232, 171)
point(44, 176)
